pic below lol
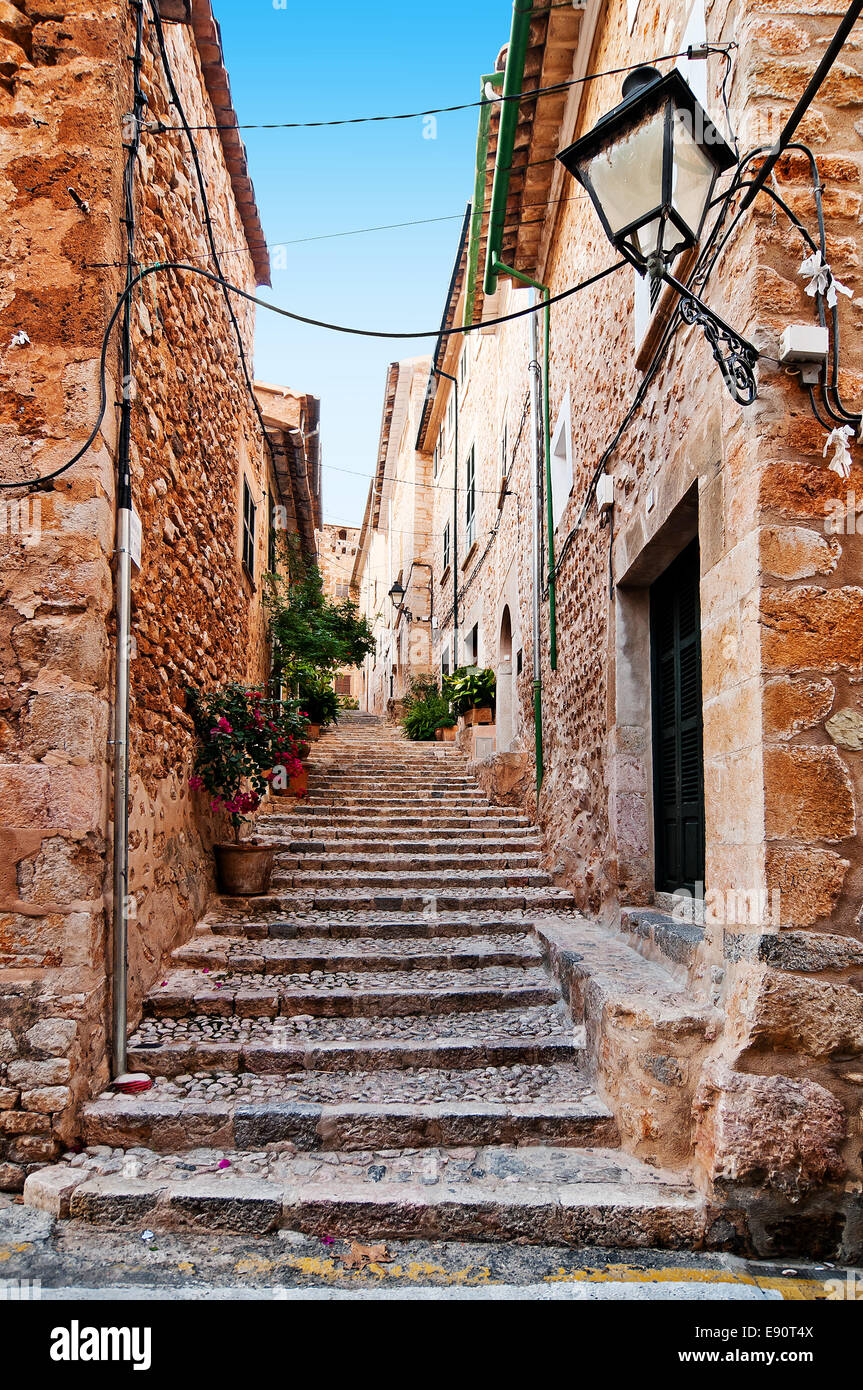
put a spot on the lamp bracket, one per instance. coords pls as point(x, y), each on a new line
point(735, 355)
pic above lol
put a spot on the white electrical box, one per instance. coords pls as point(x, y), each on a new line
point(605, 493)
point(804, 342)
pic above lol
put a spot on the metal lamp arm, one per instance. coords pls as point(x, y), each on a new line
point(735, 355)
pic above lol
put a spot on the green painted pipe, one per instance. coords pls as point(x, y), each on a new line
point(478, 208)
point(537, 724)
point(513, 78)
point(501, 269)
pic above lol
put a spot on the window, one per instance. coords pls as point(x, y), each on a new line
point(463, 363)
point(249, 513)
point(272, 556)
point(436, 461)
point(504, 453)
point(446, 547)
point(450, 414)
point(470, 500)
point(444, 661)
point(561, 463)
point(471, 646)
point(441, 443)
point(343, 685)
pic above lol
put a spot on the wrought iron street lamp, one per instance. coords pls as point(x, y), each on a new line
point(650, 167)
point(397, 594)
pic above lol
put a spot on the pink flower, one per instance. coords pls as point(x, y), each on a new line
point(225, 726)
point(224, 1163)
point(196, 783)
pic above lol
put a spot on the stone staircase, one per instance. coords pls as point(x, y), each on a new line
point(380, 1047)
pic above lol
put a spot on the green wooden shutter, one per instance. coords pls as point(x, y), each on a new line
point(678, 760)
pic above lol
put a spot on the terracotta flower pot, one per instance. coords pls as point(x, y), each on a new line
point(297, 786)
point(314, 732)
point(438, 733)
point(244, 869)
point(448, 735)
point(481, 715)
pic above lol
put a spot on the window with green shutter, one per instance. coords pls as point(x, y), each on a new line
point(678, 762)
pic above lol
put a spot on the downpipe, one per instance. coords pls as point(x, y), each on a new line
point(536, 546)
point(120, 930)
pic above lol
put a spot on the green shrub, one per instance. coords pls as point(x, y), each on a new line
point(470, 688)
point(426, 709)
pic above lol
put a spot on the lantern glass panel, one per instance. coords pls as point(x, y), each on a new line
point(693, 175)
point(627, 176)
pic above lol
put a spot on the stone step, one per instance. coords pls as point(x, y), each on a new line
point(407, 1108)
point(445, 898)
point(400, 779)
point(490, 1037)
point(331, 994)
point(316, 819)
point(550, 1195)
point(479, 837)
point(474, 849)
point(434, 878)
point(275, 957)
point(421, 804)
point(380, 863)
point(337, 928)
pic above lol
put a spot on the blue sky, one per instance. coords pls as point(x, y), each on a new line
point(316, 62)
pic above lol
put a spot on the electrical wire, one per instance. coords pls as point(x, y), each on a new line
point(175, 266)
point(522, 96)
point(357, 231)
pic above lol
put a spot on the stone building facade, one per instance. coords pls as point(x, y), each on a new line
point(395, 546)
point(722, 562)
point(337, 552)
point(206, 485)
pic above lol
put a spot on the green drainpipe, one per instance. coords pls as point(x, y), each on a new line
point(495, 79)
point(513, 79)
point(501, 269)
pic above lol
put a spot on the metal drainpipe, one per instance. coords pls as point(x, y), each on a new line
point(535, 549)
point(501, 269)
point(454, 561)
point(120, 923)
point(513, 78)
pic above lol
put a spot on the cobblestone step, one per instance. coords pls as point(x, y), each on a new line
point(340, 926)
point(417, 862)
point(350, 993)
point(311, 821)
point(446, 898)
point(496, 1036)
point(274, 957)
point(549, 1194)
point(408, 1108)
point(433, 879)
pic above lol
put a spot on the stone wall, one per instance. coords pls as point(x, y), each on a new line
point(395, 545)
point(197, 618)
point(780, 608)
point(336, 551)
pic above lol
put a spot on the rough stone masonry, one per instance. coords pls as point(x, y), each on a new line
point(197, 620)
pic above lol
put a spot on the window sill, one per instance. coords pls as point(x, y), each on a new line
point(470, 554)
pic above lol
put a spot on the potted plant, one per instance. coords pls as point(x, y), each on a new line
point(316, 693)
point(242, 739)
point(425, 710)
point(471, 691)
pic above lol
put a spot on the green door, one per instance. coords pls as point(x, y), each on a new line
point(678, 764)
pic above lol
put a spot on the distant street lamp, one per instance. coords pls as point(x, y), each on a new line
point(397, 594)
point(650, 167)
